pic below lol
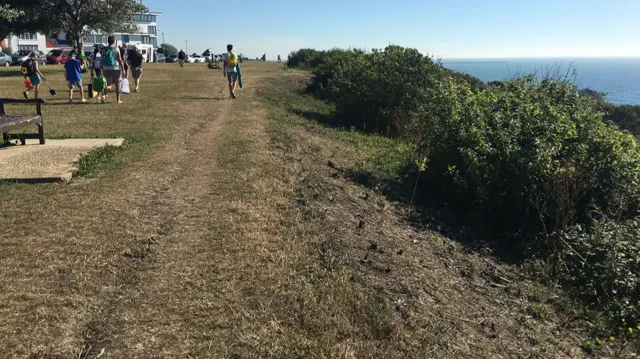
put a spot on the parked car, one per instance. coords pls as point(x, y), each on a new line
point(198, 59)
point(172, 58)
point(21, 56)
point(190, 59)
point(160, 58)
point(5, 60)
point(58, 56)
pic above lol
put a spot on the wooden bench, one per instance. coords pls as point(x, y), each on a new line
point(12, 123)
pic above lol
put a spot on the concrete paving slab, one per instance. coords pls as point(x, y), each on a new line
point(52, 162)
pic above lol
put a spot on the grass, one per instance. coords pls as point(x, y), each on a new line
point(95, 160)
point(235, 229)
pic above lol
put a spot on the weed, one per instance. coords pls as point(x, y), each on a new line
point(94, 160)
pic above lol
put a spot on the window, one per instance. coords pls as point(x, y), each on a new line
point(144, 18)
point(154, 41)
point(98, 39)
point(125, 38)
point(28, 48)
point(146, 39)
point(151, 30)
point(27, 36)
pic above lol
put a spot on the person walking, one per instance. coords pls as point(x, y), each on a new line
point(124, 54)
point(73, 74)
point(96, 73)
point(230, 70)
point(111, 66)
point(279, 58)
point(32, 72)
point(181, 57)
point(136, 60)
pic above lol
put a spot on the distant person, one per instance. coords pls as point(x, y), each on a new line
point(181, 57)
point(279, 58)
point(73, 74)
point(136, 60)
point(96, 73)
point(32, 72)
point(230, 69)
point(124, 54)
point(111, 66)
point(264, 57)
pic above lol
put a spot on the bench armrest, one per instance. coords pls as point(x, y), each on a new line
point(35, 101)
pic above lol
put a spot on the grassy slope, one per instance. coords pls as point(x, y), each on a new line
point(221, 231)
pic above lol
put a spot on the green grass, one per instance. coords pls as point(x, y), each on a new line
point(95, 160)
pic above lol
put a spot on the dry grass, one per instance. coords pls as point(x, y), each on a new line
point(220, 232)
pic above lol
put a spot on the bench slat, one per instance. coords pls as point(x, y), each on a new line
point(15, 120)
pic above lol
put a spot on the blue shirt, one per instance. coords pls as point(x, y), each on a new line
point(74, 69)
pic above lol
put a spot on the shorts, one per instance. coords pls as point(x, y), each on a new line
point(35, 80)
point(112, 76)
point(137, 72)
point(232, 76)
point(77, 83)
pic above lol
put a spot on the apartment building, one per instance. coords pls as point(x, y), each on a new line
point(144, 38)
point(28, 42)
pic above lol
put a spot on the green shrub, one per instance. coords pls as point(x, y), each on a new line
point(530, 159)
point(383, 91)
point(603, 269)
point(625, 116)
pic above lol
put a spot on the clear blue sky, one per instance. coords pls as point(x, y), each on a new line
point(444, 28)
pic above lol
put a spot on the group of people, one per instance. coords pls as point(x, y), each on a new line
point(108, 67)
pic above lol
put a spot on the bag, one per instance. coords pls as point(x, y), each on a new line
point(99, 83)
point(232, 60)
point(97, 61)
point(29, 68)
point(109, 61)
point(124, 86)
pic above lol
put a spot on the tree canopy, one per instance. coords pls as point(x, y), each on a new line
point(75, 17)
point(167, 49)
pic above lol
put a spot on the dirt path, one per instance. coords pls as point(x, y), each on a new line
point(97, 246)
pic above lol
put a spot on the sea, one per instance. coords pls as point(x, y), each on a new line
point(617, 77)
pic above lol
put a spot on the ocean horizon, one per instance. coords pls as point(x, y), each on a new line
point(617, 77)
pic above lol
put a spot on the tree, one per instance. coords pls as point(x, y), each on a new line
point(8, 13)
point(167, 49)
point(75, 17)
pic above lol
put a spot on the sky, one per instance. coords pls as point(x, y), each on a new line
point(444, 28)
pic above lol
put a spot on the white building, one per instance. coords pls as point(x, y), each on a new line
point(26, 42)
point(145, 38)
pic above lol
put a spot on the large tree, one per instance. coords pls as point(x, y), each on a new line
point(74, 17)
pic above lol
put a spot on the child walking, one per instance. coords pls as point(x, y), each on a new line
point(31, 71)
point(73, 73)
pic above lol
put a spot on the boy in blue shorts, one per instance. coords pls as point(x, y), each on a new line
point(73, 73)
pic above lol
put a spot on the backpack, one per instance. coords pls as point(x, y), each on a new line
point(29, 68)
point(135, 58)
point(99, 83)
point(232, 60)
point(109, 58)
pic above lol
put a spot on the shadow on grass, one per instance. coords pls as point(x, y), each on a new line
point(428, 210)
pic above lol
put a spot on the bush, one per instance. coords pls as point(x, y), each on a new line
point(382, 91)
point(603, 269)
point(7, 51)
point(530, 159)
point(625, 116)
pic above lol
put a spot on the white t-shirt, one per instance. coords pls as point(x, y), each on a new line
point(97, 61)
point(229, 69)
